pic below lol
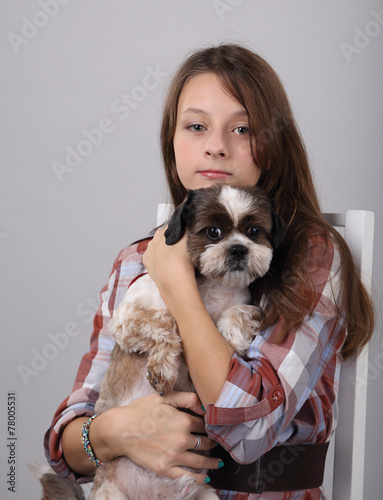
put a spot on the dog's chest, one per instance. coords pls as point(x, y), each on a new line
point(218, 298)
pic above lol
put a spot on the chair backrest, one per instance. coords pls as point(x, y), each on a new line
point(344, 475)
point(164, 211)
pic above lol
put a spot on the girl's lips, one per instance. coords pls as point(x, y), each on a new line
point(214, 174)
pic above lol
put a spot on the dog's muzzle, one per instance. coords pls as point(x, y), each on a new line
point(237, 257)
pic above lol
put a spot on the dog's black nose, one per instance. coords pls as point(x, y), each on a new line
point(238, 251)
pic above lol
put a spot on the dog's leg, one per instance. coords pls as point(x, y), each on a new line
point(163, 363)
point(164, 356)
point(151, 331)
point(238, 325)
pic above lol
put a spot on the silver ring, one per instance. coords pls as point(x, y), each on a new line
point(198, 443)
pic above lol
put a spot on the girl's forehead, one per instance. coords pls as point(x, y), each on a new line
point(205, 91)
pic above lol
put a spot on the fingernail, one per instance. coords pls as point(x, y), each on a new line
point(202, 406)
point(220, 464)
point(207, 479)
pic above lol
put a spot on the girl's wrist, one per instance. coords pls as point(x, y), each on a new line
point(86, 443)
point(100, 439)
point(113, 433)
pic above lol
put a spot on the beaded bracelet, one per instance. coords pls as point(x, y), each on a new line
point(86, 444)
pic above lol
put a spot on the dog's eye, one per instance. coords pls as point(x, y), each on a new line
point(252, 232)
point(213, 233)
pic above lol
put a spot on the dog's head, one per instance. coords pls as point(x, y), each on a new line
point(231, 232)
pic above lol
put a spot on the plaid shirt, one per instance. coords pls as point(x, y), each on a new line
point(280, 393)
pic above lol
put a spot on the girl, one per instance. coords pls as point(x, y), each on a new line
point(227, 119)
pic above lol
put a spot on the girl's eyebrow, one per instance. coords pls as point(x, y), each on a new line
point(239, 113)
point(194, 110)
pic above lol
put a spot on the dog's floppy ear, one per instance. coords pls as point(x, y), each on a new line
point(178, 221)
point(279, 229)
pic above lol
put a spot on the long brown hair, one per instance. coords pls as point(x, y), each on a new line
point(278, 150)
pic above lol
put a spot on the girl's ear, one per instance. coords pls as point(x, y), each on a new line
point(279, 229)
point(178, 221)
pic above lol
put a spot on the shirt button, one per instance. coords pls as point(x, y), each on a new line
point(277, 395)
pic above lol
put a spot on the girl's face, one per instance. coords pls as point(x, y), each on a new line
point(211, 140)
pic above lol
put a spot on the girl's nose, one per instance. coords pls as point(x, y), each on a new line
point(216, 146)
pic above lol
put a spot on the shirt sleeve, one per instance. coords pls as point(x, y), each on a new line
point(286, 392)
point(95, 362)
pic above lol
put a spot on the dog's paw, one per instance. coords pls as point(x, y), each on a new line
point(239, 324)
point(160, 384)
point(163, 363)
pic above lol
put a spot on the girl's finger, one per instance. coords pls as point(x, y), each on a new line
point(200, 461)
point(196, 462)
point(201, 443)
point(177, 472)
point(197, 425)
point(187, 400)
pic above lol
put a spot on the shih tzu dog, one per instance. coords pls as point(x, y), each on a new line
point(231, 234)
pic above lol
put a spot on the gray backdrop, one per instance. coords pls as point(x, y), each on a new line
point(81, 171)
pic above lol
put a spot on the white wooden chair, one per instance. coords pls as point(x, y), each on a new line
point(344, 474)
point(164, 211)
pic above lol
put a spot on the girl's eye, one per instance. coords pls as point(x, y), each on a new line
point(213, 233)
point(252, 232)
point(241, 130)
point(196, 127)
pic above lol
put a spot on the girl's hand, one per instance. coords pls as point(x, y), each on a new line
point(155, 434)
point(170, 267)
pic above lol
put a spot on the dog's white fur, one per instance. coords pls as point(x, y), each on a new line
point(236, 202)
